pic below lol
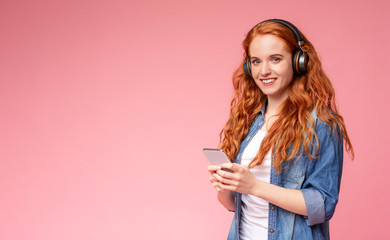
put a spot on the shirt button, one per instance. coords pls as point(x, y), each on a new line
point(272, 207)
point(272, 230)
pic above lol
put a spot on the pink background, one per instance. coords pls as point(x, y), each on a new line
point(106, 105)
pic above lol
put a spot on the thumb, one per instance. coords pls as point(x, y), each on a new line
point(232, 166)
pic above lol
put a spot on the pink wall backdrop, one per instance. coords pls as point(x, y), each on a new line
point(106, 105)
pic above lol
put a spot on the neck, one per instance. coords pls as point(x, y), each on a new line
point(274, 104)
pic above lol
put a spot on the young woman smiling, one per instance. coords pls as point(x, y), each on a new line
point(285, 138)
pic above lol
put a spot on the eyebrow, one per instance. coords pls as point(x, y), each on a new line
point(273, 55)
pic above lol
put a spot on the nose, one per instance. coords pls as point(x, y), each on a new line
point(265, 69)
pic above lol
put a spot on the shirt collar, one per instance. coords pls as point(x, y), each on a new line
point(262, 110)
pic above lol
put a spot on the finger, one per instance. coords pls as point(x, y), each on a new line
point(231, 166)
point(225, 181)
point(235, 167)
point(227, 165)
point(225, 174)
point(212, 179)
point(213, 168)
point(218, 187)
point(225, 187)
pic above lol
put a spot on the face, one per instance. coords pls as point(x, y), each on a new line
point(271, 65)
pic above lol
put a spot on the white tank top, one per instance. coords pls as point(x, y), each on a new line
point(254, 221)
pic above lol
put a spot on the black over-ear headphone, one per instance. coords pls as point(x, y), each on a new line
point(300, 58)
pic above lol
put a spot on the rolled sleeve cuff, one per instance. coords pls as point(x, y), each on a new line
point(315, 206)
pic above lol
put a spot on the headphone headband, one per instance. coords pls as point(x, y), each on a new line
point(294, 29)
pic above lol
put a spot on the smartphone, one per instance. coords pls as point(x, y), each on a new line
point(216, 157)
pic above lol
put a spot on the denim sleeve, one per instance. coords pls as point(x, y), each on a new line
point(322, 185)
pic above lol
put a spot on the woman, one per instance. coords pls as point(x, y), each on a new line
point(286, 138)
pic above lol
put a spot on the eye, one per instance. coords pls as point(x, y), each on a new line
point(255, 61)
point(275, 59)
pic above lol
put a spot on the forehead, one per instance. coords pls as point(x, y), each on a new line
point(266, 45)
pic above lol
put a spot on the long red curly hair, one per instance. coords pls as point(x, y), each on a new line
point(312, 90)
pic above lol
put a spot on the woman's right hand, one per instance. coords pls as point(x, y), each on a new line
point(213, 170)
point(225, 197)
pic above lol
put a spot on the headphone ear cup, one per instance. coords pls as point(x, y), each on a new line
point(300, 61)
point(247, 68)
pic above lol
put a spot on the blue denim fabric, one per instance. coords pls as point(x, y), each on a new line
point(318, 179)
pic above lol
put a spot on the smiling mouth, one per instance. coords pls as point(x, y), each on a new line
point(268, 80)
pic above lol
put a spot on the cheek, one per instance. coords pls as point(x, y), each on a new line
point(255, 69)
point(286, 71)
point(258, 84)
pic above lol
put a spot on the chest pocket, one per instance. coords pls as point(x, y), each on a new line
point(293, 173)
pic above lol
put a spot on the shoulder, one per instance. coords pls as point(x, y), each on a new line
point(326, 126)
point(329, 137)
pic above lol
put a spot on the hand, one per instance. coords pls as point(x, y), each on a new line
point(240, 180)
point(225, 197)
point(213, 171)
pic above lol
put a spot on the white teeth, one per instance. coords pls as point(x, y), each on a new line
point(268, 80)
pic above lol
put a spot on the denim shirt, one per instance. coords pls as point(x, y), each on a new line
point(318, 180)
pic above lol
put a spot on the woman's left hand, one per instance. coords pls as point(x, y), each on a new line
point(240, 180)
